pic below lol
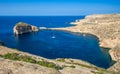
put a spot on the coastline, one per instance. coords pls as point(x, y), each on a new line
point(102, 26)
point(106, 27)
point(97, 27)
point(26, 64)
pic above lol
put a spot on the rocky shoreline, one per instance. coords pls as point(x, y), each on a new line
point(106, 27)
point(16, 62)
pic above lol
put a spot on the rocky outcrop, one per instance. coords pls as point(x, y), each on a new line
point(21, 28)
point(115, 69)
point(115, 53)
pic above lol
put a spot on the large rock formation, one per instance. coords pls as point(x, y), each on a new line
point(21, 28)
point(115, 53)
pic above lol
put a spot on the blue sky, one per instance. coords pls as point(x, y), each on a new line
point(58, 7)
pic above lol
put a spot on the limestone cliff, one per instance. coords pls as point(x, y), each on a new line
point(107, 28)
point(21, 28)
point(17, 62)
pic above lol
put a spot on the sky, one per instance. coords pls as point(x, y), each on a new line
point(58, 7)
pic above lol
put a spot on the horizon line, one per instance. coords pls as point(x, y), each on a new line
point(62, 15)
point(43, 15)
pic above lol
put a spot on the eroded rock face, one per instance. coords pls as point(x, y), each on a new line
point(21, 28)
point(115, 69)
point(115, 53)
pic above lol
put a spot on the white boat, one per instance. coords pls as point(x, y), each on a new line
point(53, 37)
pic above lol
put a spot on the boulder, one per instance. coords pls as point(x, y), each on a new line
point(21, 28)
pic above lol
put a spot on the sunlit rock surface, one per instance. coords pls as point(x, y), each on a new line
point(21, 28)
point(68, 66)
point(107, 28)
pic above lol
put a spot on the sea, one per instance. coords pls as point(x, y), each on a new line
point(53, 44)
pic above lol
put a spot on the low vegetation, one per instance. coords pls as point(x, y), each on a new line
point(71, 66)
point(98, 70)
point(22, 24)
point(72, 62)
point(19, 57)
point(61, 59)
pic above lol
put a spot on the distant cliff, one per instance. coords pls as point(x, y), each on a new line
point(21, 28)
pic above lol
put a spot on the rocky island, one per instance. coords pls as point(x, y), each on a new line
point(21, 28)
point(105, 27)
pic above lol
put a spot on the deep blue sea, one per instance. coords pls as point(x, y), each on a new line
point(53, 44)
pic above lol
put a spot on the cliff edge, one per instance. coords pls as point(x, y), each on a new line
point(107, 28)
point(16, 62)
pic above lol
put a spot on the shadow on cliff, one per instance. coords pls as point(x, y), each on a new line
point(106, 51)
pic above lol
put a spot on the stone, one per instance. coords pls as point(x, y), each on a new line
point(6, 71)
point(22, 67)
point(115, 53)
point(21, 28)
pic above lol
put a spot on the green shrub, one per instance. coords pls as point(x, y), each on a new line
point(71, 61)
point(12, 56)
point(17, 56)
point(61, 59)
point(48, 64)
point(72, 66)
